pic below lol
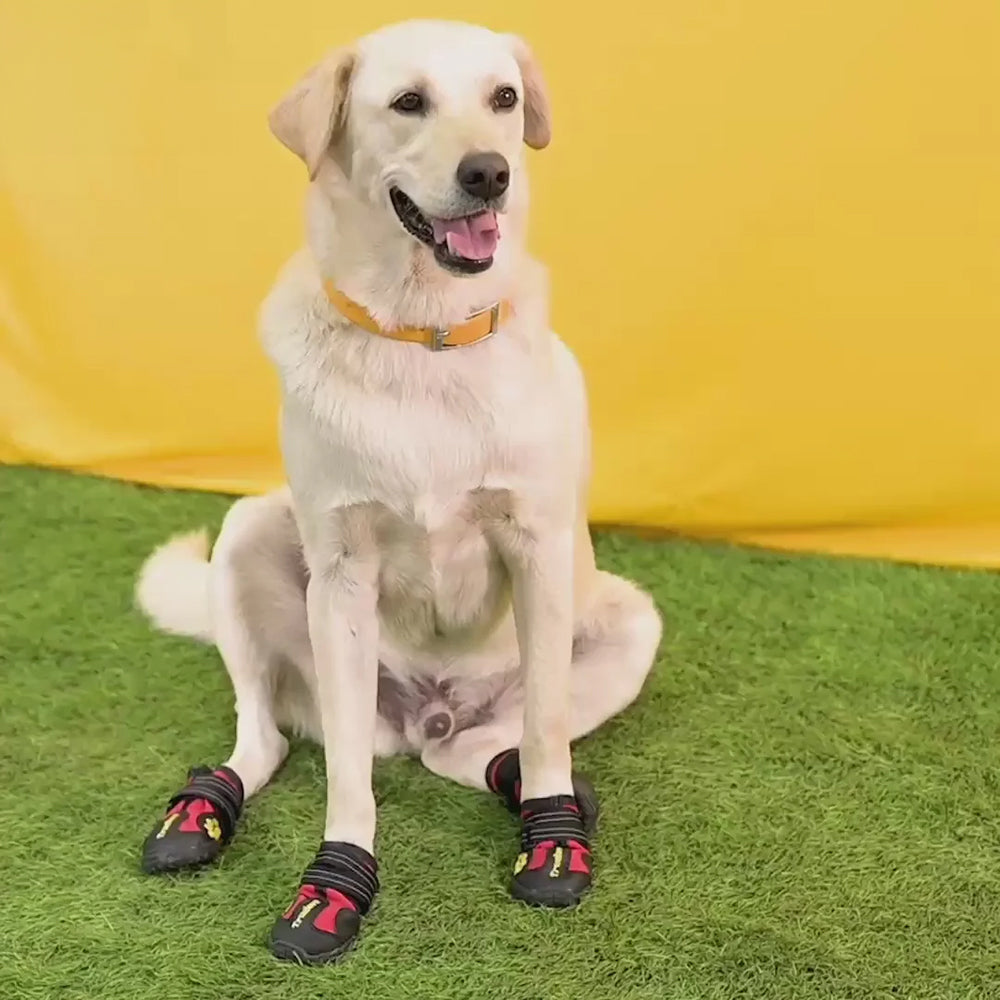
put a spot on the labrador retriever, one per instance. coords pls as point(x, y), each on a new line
point(426, 583)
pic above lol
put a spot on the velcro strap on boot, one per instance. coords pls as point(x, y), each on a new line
point(348, 869)
point(556, 819)
point(225, 793)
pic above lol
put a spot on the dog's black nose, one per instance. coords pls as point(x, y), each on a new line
point(484, 175)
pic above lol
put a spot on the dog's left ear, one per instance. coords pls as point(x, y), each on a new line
point(537, 111)
point(310, 117)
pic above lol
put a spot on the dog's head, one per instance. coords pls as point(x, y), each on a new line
point(420, 129)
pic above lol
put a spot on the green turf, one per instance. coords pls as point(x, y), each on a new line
point(803, 803)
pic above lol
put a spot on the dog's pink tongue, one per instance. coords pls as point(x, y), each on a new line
point(474, 237)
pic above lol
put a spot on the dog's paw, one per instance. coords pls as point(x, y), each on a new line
point(586, 799)
point(554, 866)
point(503, 777)
point(199, 821)
point(323, 922)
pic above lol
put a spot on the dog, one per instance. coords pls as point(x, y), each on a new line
point(426, 583)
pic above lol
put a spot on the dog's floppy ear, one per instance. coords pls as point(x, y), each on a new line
point(537, 111)
point(310, 116)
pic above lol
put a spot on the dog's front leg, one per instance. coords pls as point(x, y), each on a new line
point(542, 578)
point(343, 630)
point(553, 868)
point(339, 886)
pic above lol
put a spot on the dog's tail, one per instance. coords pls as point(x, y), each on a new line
point(172, 589)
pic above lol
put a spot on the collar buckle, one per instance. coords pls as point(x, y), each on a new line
point(439, 340)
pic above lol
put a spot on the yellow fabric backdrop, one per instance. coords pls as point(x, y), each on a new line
point(773, 226)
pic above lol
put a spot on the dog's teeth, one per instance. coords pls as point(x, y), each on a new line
point(415, 222)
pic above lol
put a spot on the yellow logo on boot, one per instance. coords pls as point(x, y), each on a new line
point(167, 824)
point(305, 911)
point(557, 860)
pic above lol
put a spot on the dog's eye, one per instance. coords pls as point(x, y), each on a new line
point(410, 103)
point(504, 98)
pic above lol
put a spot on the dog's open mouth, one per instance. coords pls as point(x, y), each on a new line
point(466, 244)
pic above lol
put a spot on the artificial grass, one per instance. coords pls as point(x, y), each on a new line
point(804, 802)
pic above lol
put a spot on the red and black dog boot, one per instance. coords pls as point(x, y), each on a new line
point(503, 777)
point(336, 891)
point(553, 868)
point(199, 821)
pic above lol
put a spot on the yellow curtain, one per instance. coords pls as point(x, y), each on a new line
point(773, 227)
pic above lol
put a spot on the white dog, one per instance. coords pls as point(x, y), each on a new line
point(427, 584)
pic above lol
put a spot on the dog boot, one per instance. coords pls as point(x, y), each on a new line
point(336, 891)
point(199, 821)
point(503, 777)
point(553, 868)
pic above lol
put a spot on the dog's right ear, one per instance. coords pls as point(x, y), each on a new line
point(309, 118)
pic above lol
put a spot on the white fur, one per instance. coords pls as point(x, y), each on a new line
point(435, 522)
point(173, 586)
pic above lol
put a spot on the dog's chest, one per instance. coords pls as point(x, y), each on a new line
point(440, 577)
point(418, 458)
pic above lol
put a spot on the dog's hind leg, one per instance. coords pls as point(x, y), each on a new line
point(613, 650)
point(257, 596)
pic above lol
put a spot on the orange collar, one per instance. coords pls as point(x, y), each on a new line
point(478, 327)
